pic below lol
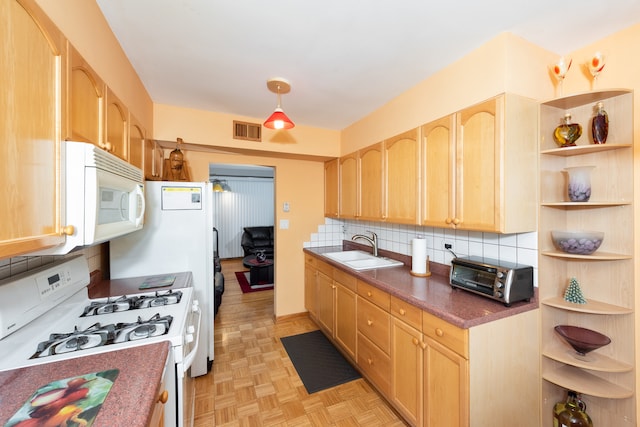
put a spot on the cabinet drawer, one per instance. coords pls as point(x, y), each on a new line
point(374, 295)
point(445, 333)
point(314, 262)
point(410, 314)
point(345, 279)
point(374, 323)
point(374, 364)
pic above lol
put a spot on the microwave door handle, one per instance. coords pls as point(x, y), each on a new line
point(188, 360)
point(140, 196)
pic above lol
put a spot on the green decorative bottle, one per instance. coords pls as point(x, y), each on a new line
point(567, 133)
point(571, 413)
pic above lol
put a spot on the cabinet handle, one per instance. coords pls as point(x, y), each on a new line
point(423, 344)
point(333, 286)
point(369, 322)
point(402, 312)
point(369, 293)
point(448, 221)
point(439, 332)
point(456, 221)
point(164, 397)
point(370, 362)
point(415, 341)
point(68, 230)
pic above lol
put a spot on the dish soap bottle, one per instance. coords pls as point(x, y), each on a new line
point(571, 413)
point(567, 133)
point(600, 125)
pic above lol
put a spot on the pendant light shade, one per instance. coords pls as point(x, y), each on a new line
point(278, 120)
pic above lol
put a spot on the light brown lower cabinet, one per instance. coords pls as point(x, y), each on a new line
point(432, 372)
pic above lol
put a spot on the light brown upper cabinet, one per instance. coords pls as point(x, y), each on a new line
point(153, 160)
point(438, 168)
point(331, 188)
point(136, 143)
point(370, 176)
point(488, 163)
point(116, 126)
point(86, 101)
point(401, 178)
point(30, 124)
point(348, 186)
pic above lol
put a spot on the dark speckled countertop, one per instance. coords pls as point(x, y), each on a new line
point(432, 294)
point(130, 400)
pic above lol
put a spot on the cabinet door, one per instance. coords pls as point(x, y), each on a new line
point(370, 189)
point(478, 179)
point(86, 101)
point(401, 178)
point(310, 287)
point(446, 387)
point(438, 159)
point(136, 143)
point(30, 105)
point(325, 307)
point(406, 370)
point(349, 186)
point(153, 160)
point(116, 126)
point(346, 329)
point(331, 189)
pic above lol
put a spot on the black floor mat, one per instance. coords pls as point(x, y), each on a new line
point(318, 363)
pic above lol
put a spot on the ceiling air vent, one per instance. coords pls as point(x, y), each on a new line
point(247, 131)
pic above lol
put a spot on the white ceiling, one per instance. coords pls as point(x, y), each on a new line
point(344, 58)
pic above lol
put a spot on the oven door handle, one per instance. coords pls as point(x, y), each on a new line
point(188, 360)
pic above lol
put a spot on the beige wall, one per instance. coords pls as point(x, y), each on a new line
point(216, 129)
point(505, 64)
point(299, 182)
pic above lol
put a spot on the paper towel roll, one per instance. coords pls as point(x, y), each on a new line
point(419, 257)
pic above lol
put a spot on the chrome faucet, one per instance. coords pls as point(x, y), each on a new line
point(373, 240)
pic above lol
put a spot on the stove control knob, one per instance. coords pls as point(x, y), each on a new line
point(191, 329)
point(188, 338)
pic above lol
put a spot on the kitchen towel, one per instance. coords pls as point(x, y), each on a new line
point(419, 257)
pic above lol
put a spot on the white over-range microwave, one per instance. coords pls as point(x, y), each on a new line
point(103, 196)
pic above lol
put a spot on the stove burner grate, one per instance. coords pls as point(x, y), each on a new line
point(94, 336)
point(125, 303)
point(155, 326)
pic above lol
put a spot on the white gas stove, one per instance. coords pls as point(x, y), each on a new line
point(46, 316)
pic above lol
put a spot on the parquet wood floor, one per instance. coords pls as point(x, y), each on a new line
point(253, 383)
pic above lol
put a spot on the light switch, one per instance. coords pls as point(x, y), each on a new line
point(284, 224)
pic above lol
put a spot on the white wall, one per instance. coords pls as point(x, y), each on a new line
point(250, 203)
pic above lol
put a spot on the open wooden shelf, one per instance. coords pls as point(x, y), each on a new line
point(572, 378)
point(593, 361)
point(591, 307)
point(596, 256)
point(584, 149)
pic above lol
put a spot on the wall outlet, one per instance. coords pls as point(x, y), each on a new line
point(448, 246)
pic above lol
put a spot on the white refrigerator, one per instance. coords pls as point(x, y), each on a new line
point(177, 236)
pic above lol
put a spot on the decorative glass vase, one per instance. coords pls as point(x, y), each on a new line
point(600, 125)
point(579, 188)
point(567, 133)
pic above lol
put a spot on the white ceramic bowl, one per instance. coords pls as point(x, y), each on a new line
point(577, 242)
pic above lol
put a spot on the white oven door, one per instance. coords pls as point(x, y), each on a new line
point(186, 384)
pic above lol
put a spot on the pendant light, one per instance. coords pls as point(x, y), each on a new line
point(278, 120)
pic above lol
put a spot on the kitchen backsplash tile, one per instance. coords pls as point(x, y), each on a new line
point(521, 248)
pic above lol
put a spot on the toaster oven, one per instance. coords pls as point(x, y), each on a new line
point(499, 280)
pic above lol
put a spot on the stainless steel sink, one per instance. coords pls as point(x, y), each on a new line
point(360, 260)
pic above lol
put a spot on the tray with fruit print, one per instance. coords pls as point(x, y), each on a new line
point(71, 402)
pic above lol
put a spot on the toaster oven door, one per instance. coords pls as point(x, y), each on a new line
point(473, 278)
